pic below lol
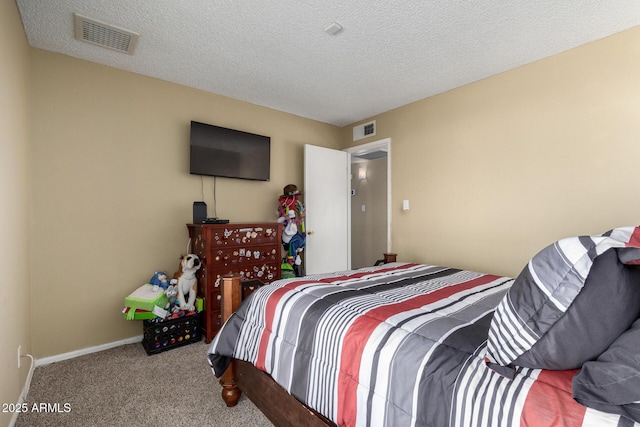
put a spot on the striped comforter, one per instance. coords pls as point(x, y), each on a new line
point(395, 345)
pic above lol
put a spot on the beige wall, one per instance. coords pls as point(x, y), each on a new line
point(112, 190)
point(498, 169)
point(14, 210)
point(368, 228)
point(493, 171)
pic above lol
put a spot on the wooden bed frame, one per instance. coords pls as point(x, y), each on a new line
point(281, 408)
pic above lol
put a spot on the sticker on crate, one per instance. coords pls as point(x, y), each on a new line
point(162, 335)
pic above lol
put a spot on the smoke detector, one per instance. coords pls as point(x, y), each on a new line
point(105, 35)
point(333, 29)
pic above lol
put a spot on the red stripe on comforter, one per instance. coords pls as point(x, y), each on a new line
point(634, 241)
point(274, 300)
point(550, 403)
point(359, 332)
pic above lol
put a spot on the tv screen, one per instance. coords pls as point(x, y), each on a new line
point(218, 151)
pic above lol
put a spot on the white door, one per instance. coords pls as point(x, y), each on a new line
point(326, 198)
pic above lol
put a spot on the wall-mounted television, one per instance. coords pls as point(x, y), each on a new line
point(218, 151)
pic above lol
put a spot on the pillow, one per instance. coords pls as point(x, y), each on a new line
point(569, 304)
point(612, 383)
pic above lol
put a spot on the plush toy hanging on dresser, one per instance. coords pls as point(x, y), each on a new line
point(291, 213)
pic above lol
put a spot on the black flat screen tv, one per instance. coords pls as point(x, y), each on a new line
point(218, 151)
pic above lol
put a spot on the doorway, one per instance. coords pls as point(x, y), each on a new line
point(370, 202)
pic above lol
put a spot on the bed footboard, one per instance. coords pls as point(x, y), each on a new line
point(232, 293)
point(231, 298)
point(274, 402)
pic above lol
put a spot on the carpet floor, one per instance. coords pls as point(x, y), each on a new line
point(123, 386)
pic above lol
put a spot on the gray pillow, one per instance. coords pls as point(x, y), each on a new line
point(612, 383)
point(570, 303)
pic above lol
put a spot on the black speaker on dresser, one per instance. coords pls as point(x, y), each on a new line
point(199, 212)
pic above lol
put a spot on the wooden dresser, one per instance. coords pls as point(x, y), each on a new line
point(252, 250)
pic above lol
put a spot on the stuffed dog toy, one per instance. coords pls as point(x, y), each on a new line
point(186, 282)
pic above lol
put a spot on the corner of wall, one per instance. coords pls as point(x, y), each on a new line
point(14, 213)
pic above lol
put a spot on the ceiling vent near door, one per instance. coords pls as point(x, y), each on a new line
point(105, 35)
point(364, 130)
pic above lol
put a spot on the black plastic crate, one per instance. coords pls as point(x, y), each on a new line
point(159, 336)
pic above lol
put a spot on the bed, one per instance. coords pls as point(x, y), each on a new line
point(404, 344)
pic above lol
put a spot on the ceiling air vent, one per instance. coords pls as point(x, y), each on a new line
point(101, 34)
point(364, 130)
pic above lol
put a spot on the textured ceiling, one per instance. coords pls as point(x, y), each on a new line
point(276, 53)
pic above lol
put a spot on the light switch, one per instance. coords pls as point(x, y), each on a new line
point(405, 205)
point(363, 208)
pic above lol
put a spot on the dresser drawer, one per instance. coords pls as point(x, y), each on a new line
point(242, 236)
point(241, 257)
point(266, 272)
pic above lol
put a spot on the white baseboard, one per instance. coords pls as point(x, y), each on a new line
point(25, 391)
point(70, 355)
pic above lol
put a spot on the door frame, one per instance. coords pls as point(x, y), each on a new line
point(382, 144)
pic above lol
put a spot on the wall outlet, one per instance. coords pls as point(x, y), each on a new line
point(19, 351)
